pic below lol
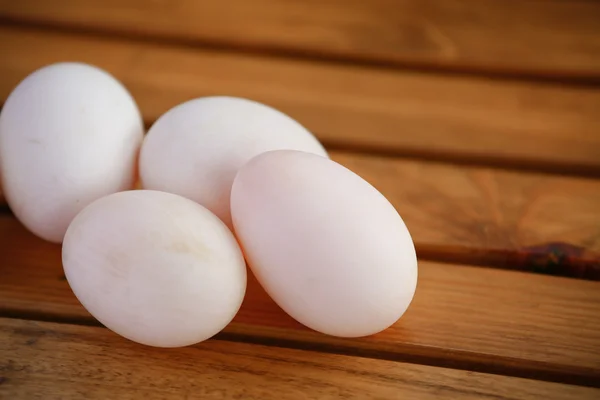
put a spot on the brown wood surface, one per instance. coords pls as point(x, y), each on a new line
point(535, 37)
point(421, 98)
point(468, 119)
point(468, 317)
point(524, 221)
point(74, 362)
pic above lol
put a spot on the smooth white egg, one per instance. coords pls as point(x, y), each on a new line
point(326, 245)
point(196, 148)
point(69, 134)
point(155, 267)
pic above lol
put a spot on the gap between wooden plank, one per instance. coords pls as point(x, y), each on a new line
point(63, 361)
point(462, 317)
point(535, 39)
point(465, 159)
point(515, 124)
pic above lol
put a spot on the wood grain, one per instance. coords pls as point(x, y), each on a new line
point(523, 221)
point(51, 361)
point(478, 120)
point(552, 38)
point(465, 317)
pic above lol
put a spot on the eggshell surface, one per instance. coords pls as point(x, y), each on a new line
point(325, 244)
point(69, 134)
point(196, 148)
point(155, 267)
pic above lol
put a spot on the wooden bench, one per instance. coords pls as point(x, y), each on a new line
point(478, 119)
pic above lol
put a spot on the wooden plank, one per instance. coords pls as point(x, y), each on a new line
point(515, 123)
point(475, 318)
point(524, 221)
point(549, 37)
point(40, 359)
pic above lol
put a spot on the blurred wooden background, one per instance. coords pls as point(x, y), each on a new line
point(478, 119)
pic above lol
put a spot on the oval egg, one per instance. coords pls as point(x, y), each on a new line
point(155, 267)
point(69, 134)
point(325, 244)
point(196, 148)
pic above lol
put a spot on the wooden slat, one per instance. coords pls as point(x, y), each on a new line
point(549, 37)
point(524, 221)
point(51, 361)
point(553, 127)
point(484, 319)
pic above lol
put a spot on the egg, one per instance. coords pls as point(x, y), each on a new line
point(70, 133)
point(195, 149)
point(155, 267)
point(326, 245)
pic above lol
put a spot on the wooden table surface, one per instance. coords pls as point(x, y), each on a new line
point(478, 119)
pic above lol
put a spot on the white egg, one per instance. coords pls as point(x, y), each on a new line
point(325, 244)
point(196, 148)
point(155, 267)
point(69, 134)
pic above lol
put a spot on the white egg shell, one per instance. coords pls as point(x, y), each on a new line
point(196, 148)
point(325, 244)
point(155, 267)
point(69, 134)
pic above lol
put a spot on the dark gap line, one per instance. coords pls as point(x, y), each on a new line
point(40, 316)
point(445, 358)
point(313, 55)
point(467, 159)
point(448, 358)
point(545, 260)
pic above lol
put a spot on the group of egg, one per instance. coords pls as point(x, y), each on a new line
point(225, 181)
